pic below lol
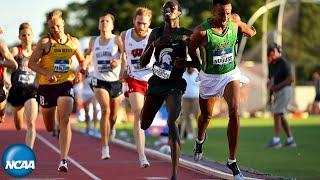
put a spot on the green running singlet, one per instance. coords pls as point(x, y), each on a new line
point(218, 56)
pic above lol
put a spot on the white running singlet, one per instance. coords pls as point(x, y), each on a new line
point(134, 50)
point(102, 56)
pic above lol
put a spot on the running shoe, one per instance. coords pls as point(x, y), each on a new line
point(235, 171)
point(144, 162)
point(63, 166)
point(173, 178)
point(273, 144)
point(105, 153)
point(197, 151)
point(290, 144)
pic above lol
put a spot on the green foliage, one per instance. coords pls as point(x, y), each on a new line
point(309, 29)
point(301, 42)
point(82, 19)
point(123, 10)
point(297, 162)
point(252, 153)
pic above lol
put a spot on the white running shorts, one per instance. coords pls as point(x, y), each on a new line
point(213, 85)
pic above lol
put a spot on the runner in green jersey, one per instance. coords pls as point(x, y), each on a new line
point(219, 77)
point(218, 54)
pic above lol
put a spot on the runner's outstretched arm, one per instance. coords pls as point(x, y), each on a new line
point(146, 56)
point(124, 61)
point(117, 60)
point(8, 61)
point(35, 59)
point(195, 42)
point(243, 27)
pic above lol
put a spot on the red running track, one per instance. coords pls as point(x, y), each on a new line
point(85, 162)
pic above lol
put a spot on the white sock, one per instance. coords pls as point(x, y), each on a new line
point(290, 139)
point(230, 161)
point(276, 139)
point(142, 157)
point(199, 141)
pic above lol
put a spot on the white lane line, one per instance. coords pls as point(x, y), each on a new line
point(45, 141)
point(185, 163)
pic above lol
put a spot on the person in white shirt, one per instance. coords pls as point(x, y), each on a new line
point(134, 42)
point(105, 51)
point(190, 103)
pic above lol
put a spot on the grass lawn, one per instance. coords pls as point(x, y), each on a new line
point(300, 162)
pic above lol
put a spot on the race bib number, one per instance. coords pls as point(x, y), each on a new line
point(61, 66)
point(104, 66)
point(136, 65)
point(94, 82)
point(223, 57)
point(41, 98)
point(162, 70)
point(26, 77)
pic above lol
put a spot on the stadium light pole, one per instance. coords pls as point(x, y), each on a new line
point(278, 37)
point(264, 62)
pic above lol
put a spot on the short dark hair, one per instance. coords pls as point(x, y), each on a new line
point(23, 26)
point(222, 2)
point(272, 47)
point(175, 2)
point(110, 15)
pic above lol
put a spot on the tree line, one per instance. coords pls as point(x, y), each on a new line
point(301, 41)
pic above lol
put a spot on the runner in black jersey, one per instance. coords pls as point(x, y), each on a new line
point(170, 43)
point(22, 94)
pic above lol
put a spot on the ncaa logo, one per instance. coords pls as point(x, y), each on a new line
point(18, 160)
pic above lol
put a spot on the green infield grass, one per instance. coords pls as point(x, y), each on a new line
point(300, 162)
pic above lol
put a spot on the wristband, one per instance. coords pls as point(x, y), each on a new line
point(254, 29)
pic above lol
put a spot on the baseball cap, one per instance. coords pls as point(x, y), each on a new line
point(271, 48)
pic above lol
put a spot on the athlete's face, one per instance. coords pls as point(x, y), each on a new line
point(273, 55)
point(141, 24)
point(221, 13)
point(56, 26)
point(171, 11)
point(26, 36)
point(270, 56)
point(106, 24)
